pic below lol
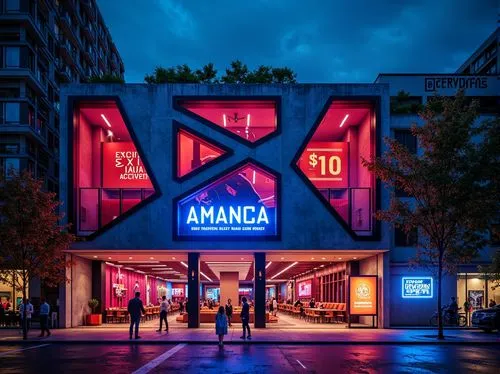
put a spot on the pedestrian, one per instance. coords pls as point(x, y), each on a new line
point(2, 315)
point(229, 311)
point(245, 318)
point(163, 313)
point(44, 318)
point(492, 303)
point(221, 325)
point(29, 311)
point(275, 306)
point(135, 308)
point(271, 306)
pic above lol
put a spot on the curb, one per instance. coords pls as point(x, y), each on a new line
point(253, 342)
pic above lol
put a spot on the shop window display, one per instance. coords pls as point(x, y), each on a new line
point(242, 203)
point(247, 120)
point(195, 152)
point(110, 178)
point(331, 162)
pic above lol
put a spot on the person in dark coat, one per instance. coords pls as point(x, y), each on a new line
point(245, 318)
point(229, 311)
point(135, 308)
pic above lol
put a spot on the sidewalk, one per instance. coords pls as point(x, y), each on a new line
point(274, 336)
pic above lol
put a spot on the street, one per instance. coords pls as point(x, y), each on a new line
point(248, 358)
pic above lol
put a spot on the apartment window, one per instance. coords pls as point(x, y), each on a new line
point(12, 5)
point(9, 148)
point(9, 36)
point(12, 55)
point(403, 239)
point(406, 138)
point(10, 92)
point(12, 112)
point(7, 165)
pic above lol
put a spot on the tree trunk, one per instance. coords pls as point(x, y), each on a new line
point(24, 319)
point(440, 314)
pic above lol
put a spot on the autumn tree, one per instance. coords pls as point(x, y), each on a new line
point(453, 182)
point(492, 271)
point(237, 73)
point(32, 239)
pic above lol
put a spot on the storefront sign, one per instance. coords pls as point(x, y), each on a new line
point(363, 295)
point(325, 164)
point(177, 292)
point(455, 82)
point(240, 204)
point(417, 287)
point(122, 167)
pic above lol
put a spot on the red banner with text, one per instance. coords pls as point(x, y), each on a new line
point(325, 164)
point(122, 167)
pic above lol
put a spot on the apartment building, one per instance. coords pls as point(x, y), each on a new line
point(44, 43)
point(484, 60)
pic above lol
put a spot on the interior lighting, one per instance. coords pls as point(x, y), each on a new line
point(224, 119)
point(285, 269)
point(205, 276)
point(269, 264)
point(345, 119)
point(184, 264)
point(105, 120)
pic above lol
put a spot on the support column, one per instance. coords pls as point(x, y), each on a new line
point(259, 289)
point(229, 287)
point(99, 284)
point(193, 305)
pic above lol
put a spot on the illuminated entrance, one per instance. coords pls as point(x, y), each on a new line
point(296, 290)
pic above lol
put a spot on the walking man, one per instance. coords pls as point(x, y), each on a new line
point(163, 313)
point(229, 311)
point(135, 308)
point(44, 318)
point(245, 318)
point(29, 311)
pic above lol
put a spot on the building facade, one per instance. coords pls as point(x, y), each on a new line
point(484, 60)
point(227, 190)
point(42, 45)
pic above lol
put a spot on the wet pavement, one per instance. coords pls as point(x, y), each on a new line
point(247, 358)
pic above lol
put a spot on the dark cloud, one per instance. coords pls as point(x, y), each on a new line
point(323, 41)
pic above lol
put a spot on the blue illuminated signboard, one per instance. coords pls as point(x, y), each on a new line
point(417, 287)
point(242, 203)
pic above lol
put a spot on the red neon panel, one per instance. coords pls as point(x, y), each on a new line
point(194, 152)
point(251, 120)
point(331, 161)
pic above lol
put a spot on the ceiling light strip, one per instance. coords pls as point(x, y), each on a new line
point(285, 269)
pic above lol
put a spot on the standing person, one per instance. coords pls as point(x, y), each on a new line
point(181, 307)
point(44, 318)
point(245, 318)
point(312, 303)
point(492, 303)
point(271, 306)
point(229, 311)
point(163, 313)
point(221, 325)
point(275, 306)
point(29, 311)
point(468, 309)
point(135, 308)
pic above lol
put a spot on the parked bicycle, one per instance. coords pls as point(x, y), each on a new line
point(449, 318)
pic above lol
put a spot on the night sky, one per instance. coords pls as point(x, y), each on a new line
point(323, 41)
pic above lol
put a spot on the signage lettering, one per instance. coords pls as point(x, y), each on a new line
point(123, 167)
point(325, 164)
point(203, 215)
point(417, 287)
point(454, 82)
point(363, 295)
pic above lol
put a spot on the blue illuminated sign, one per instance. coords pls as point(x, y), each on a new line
point(240, 204)
point(417, 287)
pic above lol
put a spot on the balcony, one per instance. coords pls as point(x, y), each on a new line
point(68, 52)
point(69, 29)
point(89, 33)
point(89, 9)
point(39, 85)
point(63, 71)
point(33, 26)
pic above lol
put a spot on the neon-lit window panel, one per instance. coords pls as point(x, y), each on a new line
point(331, 162)
point(109, 174)
point(193, 152)
point(250, 120)
point(242, 203)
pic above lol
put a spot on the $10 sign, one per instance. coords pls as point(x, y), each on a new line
point(325, 164)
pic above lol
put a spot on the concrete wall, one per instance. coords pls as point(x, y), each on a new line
point(378, 265)
point(75, 294)
point(416, 312)
point(229, 286)
point(306, 222)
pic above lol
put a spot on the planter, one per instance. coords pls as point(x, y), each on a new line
point(93, 319)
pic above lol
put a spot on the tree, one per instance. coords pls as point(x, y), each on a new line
point(31, 238)
point(492, 272)
point(237, 73)
point(452, 182)
point(106, 78)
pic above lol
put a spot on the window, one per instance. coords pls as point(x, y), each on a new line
point(9, 92)
point(7, 165)
point(9, 148)
point(12, 55)
point(406, 138)
point(12, 6)
point(402, 239)
point(12, 112)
